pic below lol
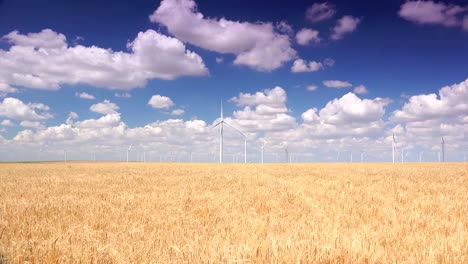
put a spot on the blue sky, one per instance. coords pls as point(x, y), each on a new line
point(155, 73)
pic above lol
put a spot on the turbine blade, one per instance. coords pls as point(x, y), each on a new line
point(235, 129)
point(217, 124)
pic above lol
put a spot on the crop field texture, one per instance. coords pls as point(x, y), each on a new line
point(211, 213)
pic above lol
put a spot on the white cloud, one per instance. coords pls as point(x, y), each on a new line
point(71, 116)
point(84, 95)
point(160, 102)
point(105, 107)
point(255, 45)
point(300, 65)
point(329, 62)
point(344, 26)
point(123, 95)
point(465, 23)
point(47, 39)
point(433, 13)
point(177, 112)
point(151, 56)
point(337, 84)
point(13, 108)
point(320, 11)
point(108, 120)
point(7, 122)
point(263, 111)
point(361, 89)
point(32, 124)
point(285, 27)
point(351, 109)
point(312, 88)
point(310, 115)
point(306, 36)
point(343, 119)
point(219, 59)
point(451, 103)
point(5, 89)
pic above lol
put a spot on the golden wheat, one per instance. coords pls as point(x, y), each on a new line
point(210, 213)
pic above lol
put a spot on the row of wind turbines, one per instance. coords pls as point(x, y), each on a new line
point(403, 157)
point(222, 123)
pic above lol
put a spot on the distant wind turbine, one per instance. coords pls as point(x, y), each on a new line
point(264, 142)
point(443, 149)
point(221, 124)
point(128, 151)
point(286, 152)
point(420, 155)
point(393, 148)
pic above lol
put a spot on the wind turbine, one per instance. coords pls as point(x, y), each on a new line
point(393, 148)
point(65, 155)
point(286, 152)
point(221, 124)
point(264, 142)
point(128, 151)
point(443, 149)
point(420, 155)
point(362, 156)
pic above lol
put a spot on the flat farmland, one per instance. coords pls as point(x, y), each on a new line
point(233, 213)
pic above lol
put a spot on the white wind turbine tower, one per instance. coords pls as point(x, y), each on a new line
point(362, 156)
point(420, 155)
point(443, 149)
point(128, 151)
point(221, 124)
point(393, 148)
point(286, 152)
point(264, 142)
point(65, 155)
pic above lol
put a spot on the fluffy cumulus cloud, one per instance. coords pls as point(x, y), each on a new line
point(256, 45)
point(451, 102)
point(337, 84)
point(177, 112)
point(434, 13)
point(425, 118)
point(105, 107)
point(151, 55)
point(5, 89)
point(160, 102)
point(16, 109)
point(345, 26)
point(361, 89)
point(320, 11)
point(7, 122)
point(263, 111)
point(84, 95)
point(306, 36)
point(300, 65)
point(32, 124)
point(350, 109)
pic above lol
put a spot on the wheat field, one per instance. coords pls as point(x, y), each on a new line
point(211, 213)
